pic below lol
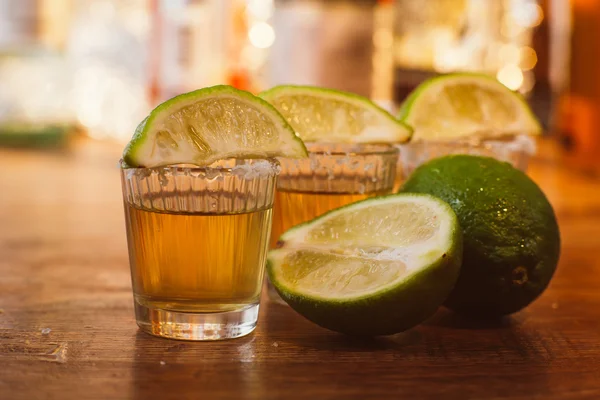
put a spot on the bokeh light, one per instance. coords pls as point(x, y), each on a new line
point(511, 76)
point(527, 58)
point(261, 35)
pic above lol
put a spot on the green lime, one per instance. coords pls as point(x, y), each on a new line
point(327, 115)
point(511, 237)
point(375, 267)
point(211, 124)
point(466, 104)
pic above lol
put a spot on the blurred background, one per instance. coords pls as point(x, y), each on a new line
point(94, 68)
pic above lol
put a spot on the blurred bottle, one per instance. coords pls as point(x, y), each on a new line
point(331, 43)
point(198, 43)
point(188, 47)
point(579, 121)
point(523, 43)
point(382, 75)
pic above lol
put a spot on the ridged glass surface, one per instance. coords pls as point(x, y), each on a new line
point(340, 168)
point(226, 187)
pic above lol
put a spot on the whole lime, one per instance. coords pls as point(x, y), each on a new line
point(511, 237)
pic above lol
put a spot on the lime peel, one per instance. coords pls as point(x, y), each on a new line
point(466, 104)
point(329, 115)
point(211, 124)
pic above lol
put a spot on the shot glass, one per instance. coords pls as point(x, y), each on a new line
point(332, 176)
point(198, 239)
point(517, 150)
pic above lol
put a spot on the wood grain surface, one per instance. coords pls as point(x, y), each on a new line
point(67, 329)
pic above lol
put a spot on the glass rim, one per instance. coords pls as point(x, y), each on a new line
point(273, 163)
point(518, 143)
point(473, 139)
point(355, 149)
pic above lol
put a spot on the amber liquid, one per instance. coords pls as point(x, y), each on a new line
point(293, 208)
point(197, 262)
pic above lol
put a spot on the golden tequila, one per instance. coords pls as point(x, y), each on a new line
point(197, 262)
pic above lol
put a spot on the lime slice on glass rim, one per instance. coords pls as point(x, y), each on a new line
point(328, 115)
point(466, 104)
point(211, 124)
point(375, 267)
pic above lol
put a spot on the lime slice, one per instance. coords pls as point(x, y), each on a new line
point(327, 115)
point(459, 105)
point(211, 124)
point(375, 267)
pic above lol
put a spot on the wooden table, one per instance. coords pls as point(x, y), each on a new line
point(67, 329)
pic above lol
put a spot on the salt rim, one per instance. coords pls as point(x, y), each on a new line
point(352, 157)
point(249, 170)
point(517, 143)
point(348, 149)
point(523, 143)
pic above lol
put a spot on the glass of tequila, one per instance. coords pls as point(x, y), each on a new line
point(332, 176)
point(197, 240)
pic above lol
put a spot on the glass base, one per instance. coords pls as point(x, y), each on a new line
point(194, 326)
point(273, 295)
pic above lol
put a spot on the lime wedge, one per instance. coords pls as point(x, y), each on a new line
point(327, 115)
point(375, 267)
point(211, 124)
point(466, 104)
